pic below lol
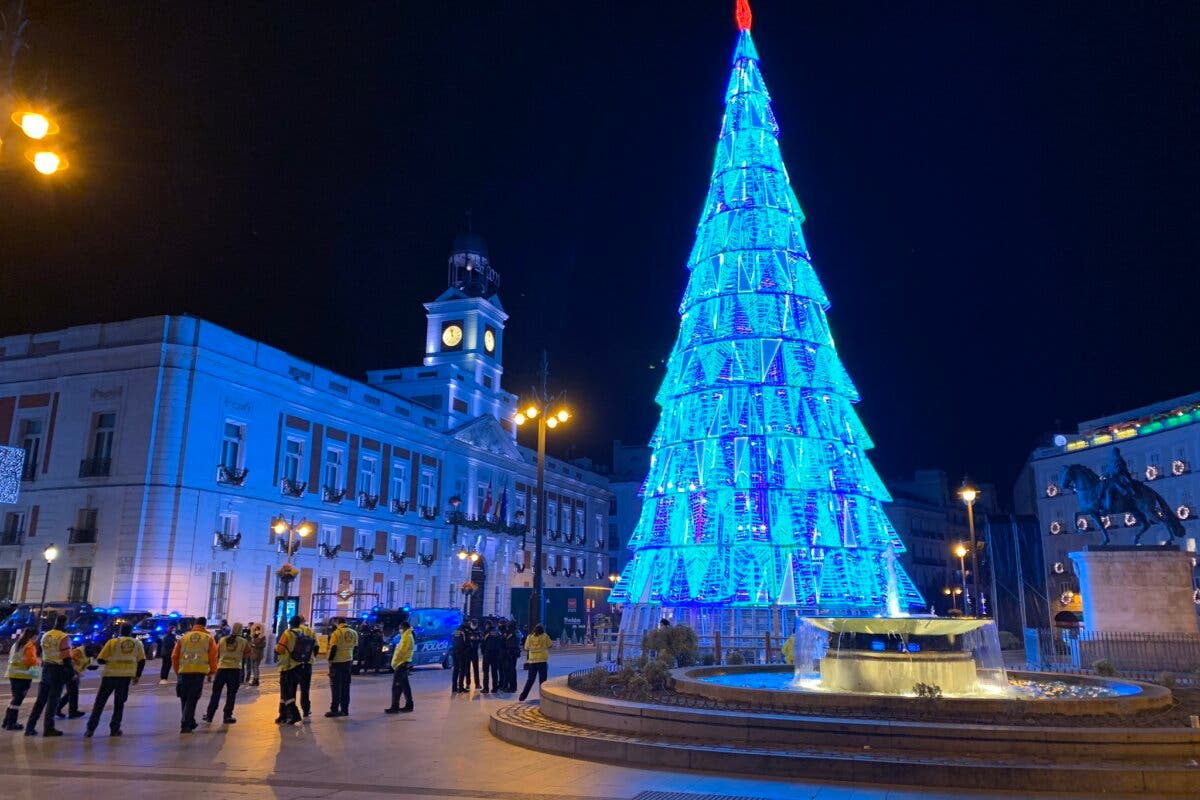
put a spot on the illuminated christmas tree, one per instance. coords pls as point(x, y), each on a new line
point(760, 495)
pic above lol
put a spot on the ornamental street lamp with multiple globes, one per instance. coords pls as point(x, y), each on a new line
point(33, 124)
point(545, 419)
point(287, 573)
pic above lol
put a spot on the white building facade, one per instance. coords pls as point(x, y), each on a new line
point(1161, 444)
point(159, 451)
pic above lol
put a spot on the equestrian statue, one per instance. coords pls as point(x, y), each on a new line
point(1116, 491)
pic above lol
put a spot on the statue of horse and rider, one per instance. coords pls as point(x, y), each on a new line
point(1116, 491)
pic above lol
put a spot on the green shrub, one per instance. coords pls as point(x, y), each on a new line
point(1167, 679)
point(707, 659)
point(595, 681)
point(624, 675)
point(638, 688)
point(735, 657)
point(656, 674)
point(1104, 667)
point(1009, 641)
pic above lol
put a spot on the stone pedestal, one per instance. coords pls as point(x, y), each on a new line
point(1136, 590)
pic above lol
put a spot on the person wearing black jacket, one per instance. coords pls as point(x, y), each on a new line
point(460, 654)
point(512, 650)
point(166, 646)
point(475, 639)
point(492, 648)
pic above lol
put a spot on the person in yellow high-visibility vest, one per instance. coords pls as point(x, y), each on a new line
point(295, 650)
point(56, 671)
point(80, 661)
point(789, 650)
point(401, 664)
point(231, 651)
point(22, 664)
point(537, 659)
point(123, 659)
point(342, 643)
point(194, 659)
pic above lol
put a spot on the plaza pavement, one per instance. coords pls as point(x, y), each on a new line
point(443, 750)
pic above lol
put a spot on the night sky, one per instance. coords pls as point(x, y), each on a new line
point(1001, 197)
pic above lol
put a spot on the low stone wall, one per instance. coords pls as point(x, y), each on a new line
point(561, 703)
point(688, 681)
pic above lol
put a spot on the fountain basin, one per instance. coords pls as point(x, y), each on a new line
point(1033, 694)
point(894, 673)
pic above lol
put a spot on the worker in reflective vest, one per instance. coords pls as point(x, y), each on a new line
point(231, 652)
point(194, 657)
point(123, 658)
point(22, 668)
point(342, 642)
point(80, 661)
point(56, 671)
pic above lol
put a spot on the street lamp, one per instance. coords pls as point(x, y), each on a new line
point(960, 551)
point(545, 419)
point(50, 553)
point(968, 493)
point(287, 573)
point(612, 577)
point(953, 595)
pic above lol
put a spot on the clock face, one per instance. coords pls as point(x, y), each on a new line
point(452, 335)
point(489, 341)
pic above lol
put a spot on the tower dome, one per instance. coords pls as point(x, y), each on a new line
point(469, 269)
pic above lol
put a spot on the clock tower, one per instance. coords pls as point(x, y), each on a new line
point(464, 344)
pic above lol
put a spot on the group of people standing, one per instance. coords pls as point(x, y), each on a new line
point(256, 648)
point(500, 646)
point(228, 660)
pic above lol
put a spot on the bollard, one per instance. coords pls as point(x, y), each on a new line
point(717, 646)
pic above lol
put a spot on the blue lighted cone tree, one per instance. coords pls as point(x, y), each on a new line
point(760, 494)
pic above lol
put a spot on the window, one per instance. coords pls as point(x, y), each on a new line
point(102, 438)
point(333, 468)
point(391, 594)
point(84, 531)
point(329, 535)
point(614, 538)
point(366, 476)
point(460, 405)
point(13, 532)
point(400, 485)
point(323, 585)
point(421, 587)
point(519, 506)
point(293, 456)
point(228, 525)
point(579, 530)
point(218, 596)
point(231, 445)
point(81, 582)
point(364, 540)
point(360, 598)
point(31, 440)
point(408, 590)
point(426, 493)
point(480, 497)
point(8, 584)
point(551, 516)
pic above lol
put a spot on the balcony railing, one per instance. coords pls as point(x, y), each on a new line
point(332, 495)
point(81, 536)
point(397, 557)
point(399, 506)
point(94, 467)
point(364, 554)
point(11, 537)
point(231, 476)
point(292, 488)
point(368, 501)
point(29, 471)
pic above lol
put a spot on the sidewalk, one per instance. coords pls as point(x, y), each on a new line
point(442, 750)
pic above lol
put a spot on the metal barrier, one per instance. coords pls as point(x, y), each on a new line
point(1134, 655)
point(616, 647)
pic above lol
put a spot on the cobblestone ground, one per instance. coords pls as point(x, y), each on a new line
point(443, 750)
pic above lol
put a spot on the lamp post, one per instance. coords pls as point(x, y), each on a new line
point(34, 125)
point(968, 493)
point(50, 553)
point(540, 411)
point(960, 550)
point(953, 594)
point(287, 573)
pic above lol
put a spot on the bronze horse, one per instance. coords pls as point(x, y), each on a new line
point(1146, 504)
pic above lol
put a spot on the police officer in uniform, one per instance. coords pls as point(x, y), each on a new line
point(56, 666)
point(475, 639)
point(342, 642)
point(166, 648)
point(460, 653)
point(512, 650)
point(123, 658)
point(401, 664)
point(231, 652)
point(492, 648)
point(194, 658)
